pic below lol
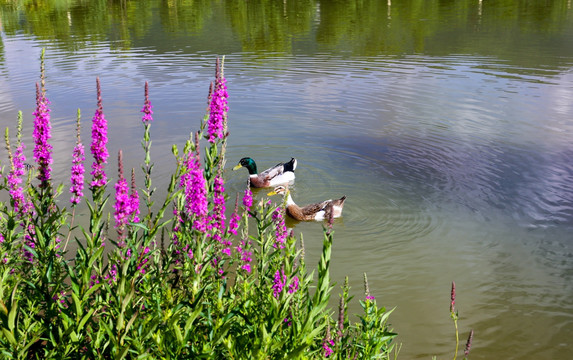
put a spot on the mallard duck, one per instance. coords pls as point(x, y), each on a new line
point(281, 173)
point(318, 211)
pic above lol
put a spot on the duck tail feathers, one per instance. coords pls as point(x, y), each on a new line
point(291, 165)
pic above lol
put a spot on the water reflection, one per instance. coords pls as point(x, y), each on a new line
point(365, 28)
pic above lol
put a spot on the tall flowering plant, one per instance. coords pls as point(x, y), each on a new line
point(197, 284)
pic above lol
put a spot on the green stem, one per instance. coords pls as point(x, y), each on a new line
point(457, 338)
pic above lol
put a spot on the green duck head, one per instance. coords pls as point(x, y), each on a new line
point(248, 163)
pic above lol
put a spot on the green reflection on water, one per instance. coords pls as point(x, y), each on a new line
point(357, 28)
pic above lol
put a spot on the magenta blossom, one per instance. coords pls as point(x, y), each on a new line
point(42, 134)
point(147, 112)
point(218, 106)
point(134, 199)
point(21, 204)
point(193, 182)
point(217, 217)
point(245, 255)
point(279, 283)
point(99, 143)
point(281, 230)
point(122, 201)
point(78, 170)
point(248, 198)
point(234, 222)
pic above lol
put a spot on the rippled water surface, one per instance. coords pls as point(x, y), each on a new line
point(449, 129)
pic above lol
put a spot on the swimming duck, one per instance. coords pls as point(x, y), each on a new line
point(281, 173)
point(318, 211)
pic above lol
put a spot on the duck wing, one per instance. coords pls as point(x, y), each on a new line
point(278, 170)
point(312, 209)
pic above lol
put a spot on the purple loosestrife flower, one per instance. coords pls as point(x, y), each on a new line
point(99, 143)
point(327, 343)
point(327, 346)
point(453, 298)
point(134, 199)
point(281, 230)
point(469, 343)
point(218, 214)
point(245, 255)
point(78, 170)
point(111, 277)
point(218, 107)
point(42, 134)
point(147, 112)
point(21, 204)
point(293, 285)
point(279, 282)
point(29, 240)
point(248, 197)
point(122, 201)
point(195, 188)
point(217, 217)
point(143, 259)
point(234, 222)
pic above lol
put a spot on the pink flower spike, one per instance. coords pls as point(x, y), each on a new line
point(78, 170)
point(99, 143)
point(218, 107)
point(42, 134)
point(147, 112)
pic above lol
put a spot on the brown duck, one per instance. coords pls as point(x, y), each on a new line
point(318, 211)
point(281, 173)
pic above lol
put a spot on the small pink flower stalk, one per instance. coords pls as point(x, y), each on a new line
point(218, 107)
point(78, 170)
point(280, 281)
point(126, 203)
point(99, 144)
point(235, 218)
point(328, 343)
point(122, 201)
point(147, 117)
point(42, 135)
point(281, 232)
point(453, 312)
point(248, 198)
point(22, 205)
point(195, 188)
point(469, 344)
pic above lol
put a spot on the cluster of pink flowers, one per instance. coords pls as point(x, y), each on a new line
point(245, 255)
point(143, 259)
point(248, 198)
point(42, 133)
point(21, 204)
point(281, 230)
point(217, 217)
point(134, 199)
point(327, 346)
point(234, 221)
point(147, 112)
point(218, 106)
point(111, 276)
point(78, 170)
point(99, 143)
point(194, 185)
point(126, 205)
point(280, 281)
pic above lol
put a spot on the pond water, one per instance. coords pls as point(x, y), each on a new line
point(448, 125)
